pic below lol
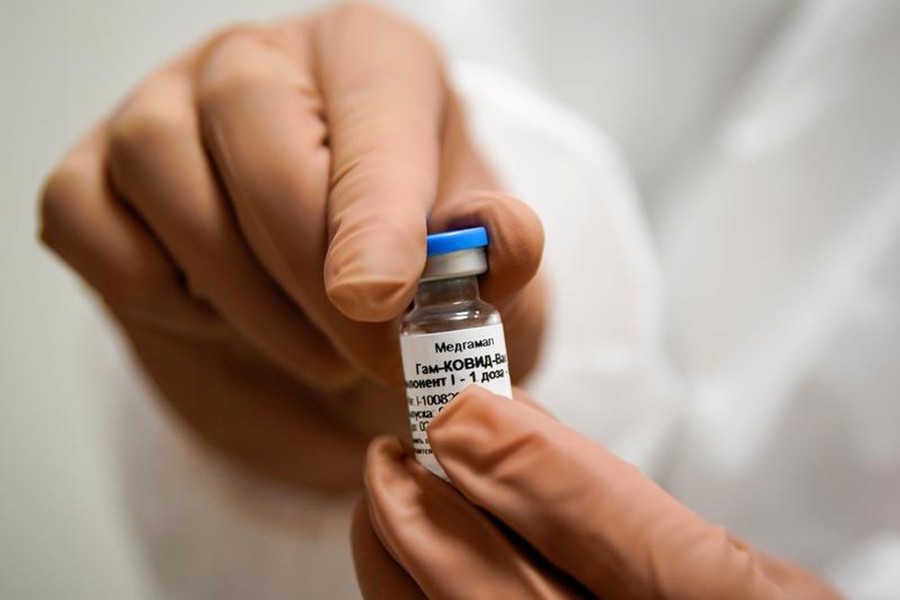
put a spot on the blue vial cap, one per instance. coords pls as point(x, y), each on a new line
point(453, 241)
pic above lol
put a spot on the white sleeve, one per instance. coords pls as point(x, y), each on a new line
point(204, 529)
point(780, 245)
point(604, 370)
point(870, 569)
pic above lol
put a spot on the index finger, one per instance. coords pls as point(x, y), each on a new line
point(384, 102)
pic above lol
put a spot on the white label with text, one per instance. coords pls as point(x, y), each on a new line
point(437, 366)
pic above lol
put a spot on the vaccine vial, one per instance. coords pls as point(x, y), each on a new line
point(451, 338)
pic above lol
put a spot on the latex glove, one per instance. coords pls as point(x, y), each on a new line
point(542, 512)
point(254, 215)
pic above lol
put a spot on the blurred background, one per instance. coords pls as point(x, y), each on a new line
point(662, 95)
point(63, 532)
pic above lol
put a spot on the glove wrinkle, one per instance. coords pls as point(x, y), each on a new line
point(380, 577)
point(431, 530)
point(589, 513)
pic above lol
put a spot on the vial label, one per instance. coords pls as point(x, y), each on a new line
point(437, 366)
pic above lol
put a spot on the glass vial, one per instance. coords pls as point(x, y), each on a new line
point(451, 338)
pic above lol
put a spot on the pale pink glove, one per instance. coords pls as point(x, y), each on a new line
point(542, 512)
point(254, 216)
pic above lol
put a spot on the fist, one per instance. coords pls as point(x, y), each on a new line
point(254, 214)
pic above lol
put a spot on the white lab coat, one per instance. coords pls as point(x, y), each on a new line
point(723, 238)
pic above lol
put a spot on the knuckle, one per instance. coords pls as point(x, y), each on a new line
point(365, 12)
point(59, 197)
point(145, 123)
point(235, 34)
point(370, 17)
point(119, 267)
point(238, 59)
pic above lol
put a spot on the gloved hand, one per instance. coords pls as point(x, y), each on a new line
point(542, 512)
point(254, 216)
